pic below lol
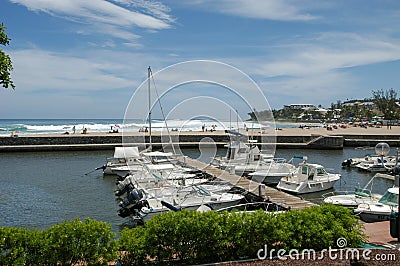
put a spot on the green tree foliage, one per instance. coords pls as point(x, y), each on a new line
point(386, 103)
point(5, 61)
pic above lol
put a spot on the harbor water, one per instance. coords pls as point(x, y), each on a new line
point(38, 190)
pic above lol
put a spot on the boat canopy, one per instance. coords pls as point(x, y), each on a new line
point(165, 166)
point(157, 154)
point(126, 152)
point(391, 197)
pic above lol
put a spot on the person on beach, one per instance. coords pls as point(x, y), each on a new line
point(73, 129)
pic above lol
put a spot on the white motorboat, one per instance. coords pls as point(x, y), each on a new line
point(353, 199)
point(123, 171)
point(157, 157)
point(239, 152)
point(158, 201)
point(159, 175)
point(130, 182)
point(266, 164)
point(308, 178)
point(380, 211)
point(353, 162)
point(377, 164)
point(122, 157)
point(272, 173)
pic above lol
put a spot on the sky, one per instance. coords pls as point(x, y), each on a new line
point(89, 59)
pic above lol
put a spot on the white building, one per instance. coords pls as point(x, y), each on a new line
point(301, 106)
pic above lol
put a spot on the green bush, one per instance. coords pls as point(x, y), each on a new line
point(75, 242)
point(133, 246)
point(186, 237)
point(19, 246)
point(89, 242)
point(189, 237)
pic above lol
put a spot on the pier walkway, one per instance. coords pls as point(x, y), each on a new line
point(273, 195)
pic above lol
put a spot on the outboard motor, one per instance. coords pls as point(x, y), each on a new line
point(347, 163)
point(123, 182)
point(124, 186)
point(135, 209)
point(121, 178)
point(126, 189)
point(133, 197)
point(395, 171)
point(124, 212)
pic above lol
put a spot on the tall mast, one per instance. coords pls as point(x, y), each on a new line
point(148, 85)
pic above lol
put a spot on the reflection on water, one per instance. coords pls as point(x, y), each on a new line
point(38, 190)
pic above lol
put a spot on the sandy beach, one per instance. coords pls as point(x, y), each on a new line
point(351, 130)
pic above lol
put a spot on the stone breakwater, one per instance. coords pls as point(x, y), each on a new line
point(97, 141)
point(292, 138)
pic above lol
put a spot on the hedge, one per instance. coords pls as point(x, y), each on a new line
point(186, 237)
point(189, 237)
point(89, 242)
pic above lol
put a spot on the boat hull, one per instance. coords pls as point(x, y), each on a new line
point(150, 213)
point(304, 187)
point(352, 200)
point(371, 213)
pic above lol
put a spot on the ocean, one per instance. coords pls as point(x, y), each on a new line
point(57, 126)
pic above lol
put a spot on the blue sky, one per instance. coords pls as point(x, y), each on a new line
point(85, 59)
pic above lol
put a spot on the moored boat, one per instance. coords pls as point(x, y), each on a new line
point(351, 199)
point(380, 211)
point(355, 198)
point(122, 157)
point(308, 178)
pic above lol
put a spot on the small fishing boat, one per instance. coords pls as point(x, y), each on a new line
point(353, 199)
point(353, 162)
point(156, 201)
point(378, 164)
point(308, 178)
point(240, 152)
point(122, 157)
point(380, 211)
point(272, 173)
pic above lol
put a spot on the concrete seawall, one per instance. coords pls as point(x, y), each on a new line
point(105, 141)
point(288, 138)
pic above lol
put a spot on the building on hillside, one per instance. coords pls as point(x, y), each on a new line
point(300, 106)
point(368, 105)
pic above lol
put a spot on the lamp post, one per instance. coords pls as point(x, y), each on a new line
point(382, 149)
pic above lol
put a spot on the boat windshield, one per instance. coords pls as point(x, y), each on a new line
point(202, 191)
point(363, 192)
point(390, 199)
point(321, 171)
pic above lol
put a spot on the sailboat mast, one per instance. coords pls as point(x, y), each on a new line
point(148, 86)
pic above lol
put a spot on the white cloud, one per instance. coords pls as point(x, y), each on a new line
point(318, 70)
point(261, 9)
point(42, 70)
point(115, 19)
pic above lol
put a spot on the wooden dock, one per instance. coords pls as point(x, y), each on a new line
point(273, 195)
